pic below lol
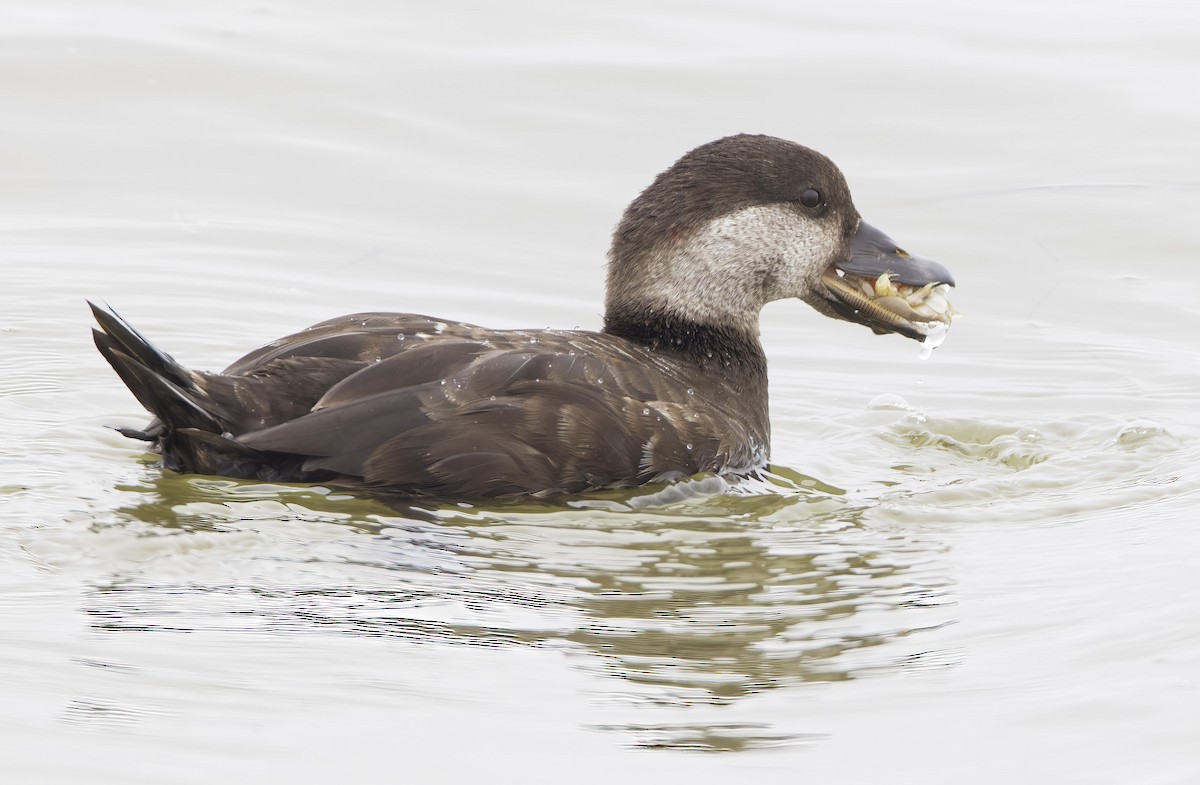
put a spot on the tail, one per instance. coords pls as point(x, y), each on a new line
point(157, 380)
point(199, 415)
point(192, 437)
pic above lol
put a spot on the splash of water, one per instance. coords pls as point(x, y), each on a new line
point(933, 338)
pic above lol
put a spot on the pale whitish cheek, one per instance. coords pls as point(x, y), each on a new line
point(715, 272)
point(806, 260)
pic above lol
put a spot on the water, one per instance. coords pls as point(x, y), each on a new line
point(980, 567)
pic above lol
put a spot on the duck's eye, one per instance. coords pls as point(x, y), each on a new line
point(810, 198)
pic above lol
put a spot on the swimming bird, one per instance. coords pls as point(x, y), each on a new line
point(674, 385)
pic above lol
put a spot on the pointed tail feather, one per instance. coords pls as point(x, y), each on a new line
point(119, 334)
point(162, 385)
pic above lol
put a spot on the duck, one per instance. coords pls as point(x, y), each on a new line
point(673, 385)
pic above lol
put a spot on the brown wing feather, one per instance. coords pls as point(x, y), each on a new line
point(483, 422)
point(278, 391)
point(542, 436)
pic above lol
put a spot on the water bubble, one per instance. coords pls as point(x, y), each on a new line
point(888, 402)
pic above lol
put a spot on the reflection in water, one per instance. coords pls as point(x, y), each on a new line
point(712, 737)
point(702, 602)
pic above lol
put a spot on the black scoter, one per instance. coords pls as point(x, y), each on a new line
point(675, 384)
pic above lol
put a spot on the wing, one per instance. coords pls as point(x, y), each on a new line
point(458, 418)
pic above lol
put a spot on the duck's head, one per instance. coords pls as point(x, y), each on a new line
point(746, 220)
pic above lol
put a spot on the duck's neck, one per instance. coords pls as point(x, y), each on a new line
point(733, 352)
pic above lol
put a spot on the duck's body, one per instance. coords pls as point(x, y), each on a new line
point(406, 402)
point(675, 384)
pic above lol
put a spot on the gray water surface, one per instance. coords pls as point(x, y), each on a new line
point(976, 568)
